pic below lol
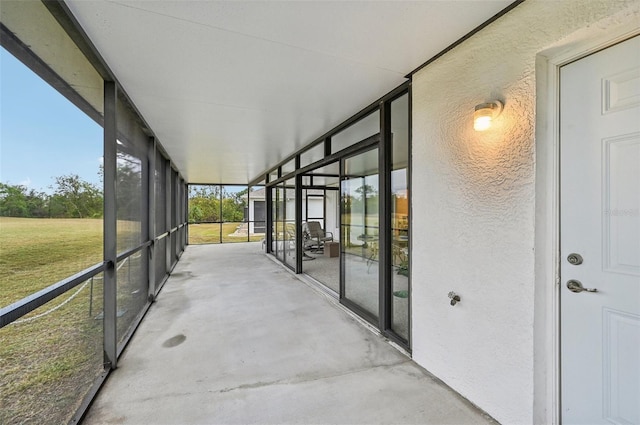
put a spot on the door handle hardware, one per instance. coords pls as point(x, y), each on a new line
point(576, 286)
point(575, 259)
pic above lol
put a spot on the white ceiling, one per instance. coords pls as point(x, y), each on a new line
point(230, 88)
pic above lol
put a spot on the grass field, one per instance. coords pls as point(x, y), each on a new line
point(210, 233)
point(48, 363)
point(51, 357)
point(35, 253)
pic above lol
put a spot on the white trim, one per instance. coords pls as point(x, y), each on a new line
point(547, 403)
point(546, 316)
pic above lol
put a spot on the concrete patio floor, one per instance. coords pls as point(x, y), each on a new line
point(233, 338)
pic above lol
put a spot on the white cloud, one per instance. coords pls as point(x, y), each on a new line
point(26, 182)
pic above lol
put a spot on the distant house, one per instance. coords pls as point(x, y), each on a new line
point(256, 213)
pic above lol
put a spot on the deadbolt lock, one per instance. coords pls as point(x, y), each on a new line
point(575, 259)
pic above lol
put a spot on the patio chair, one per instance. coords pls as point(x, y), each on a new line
point(315, 236)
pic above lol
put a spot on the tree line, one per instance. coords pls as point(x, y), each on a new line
point(212, 204)
point(72, 197)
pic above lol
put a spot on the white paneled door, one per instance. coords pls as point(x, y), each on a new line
point(600, 237)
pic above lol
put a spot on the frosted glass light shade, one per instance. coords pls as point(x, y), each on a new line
point(485, 113)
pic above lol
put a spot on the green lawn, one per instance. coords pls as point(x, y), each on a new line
point(48, 364)
point(210, 233)
point(51, 357)
point(36, 253)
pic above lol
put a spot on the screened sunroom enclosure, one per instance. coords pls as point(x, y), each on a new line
point(91, 274)
point(83, 322)
point(353, 184)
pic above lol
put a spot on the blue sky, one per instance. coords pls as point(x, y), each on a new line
point(42, 134)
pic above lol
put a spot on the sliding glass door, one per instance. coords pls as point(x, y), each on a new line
point(320, 204)
point(360, 231)
point(354, 185)
point(289, 223)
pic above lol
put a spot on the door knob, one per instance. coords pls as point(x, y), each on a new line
point(576, 286)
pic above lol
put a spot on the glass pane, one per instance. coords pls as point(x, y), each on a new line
point(288, 167)
point(321, 260)
point(332, 211)
point(360, 230)
point(312, 155)
point(273, 176)
point(313, 207)
point(51, 357)
point(280, 231)
point(400, 216)
point(332, 169)
point(366, 127)
point(274, 218)
point(290, 222)
point(129, 201)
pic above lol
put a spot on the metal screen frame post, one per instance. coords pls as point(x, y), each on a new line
point(269, 217)
point(187, 188)
point(248, 213)
point(110, 226)
point(145, 175)
point(167, 219)
point(220, 217)
point(180, 213)
point(343, 240)
point(298, 219)
point(177, 201)
point(409, 187)
point(385, 153)
point(185, 213)
point(151, 214)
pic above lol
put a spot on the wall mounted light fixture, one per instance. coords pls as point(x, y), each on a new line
point(485, 113)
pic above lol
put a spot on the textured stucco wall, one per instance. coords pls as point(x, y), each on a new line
point(474, 204)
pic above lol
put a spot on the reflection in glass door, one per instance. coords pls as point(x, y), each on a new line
point(289, 223)
point(360, 231)
point(278, 222)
